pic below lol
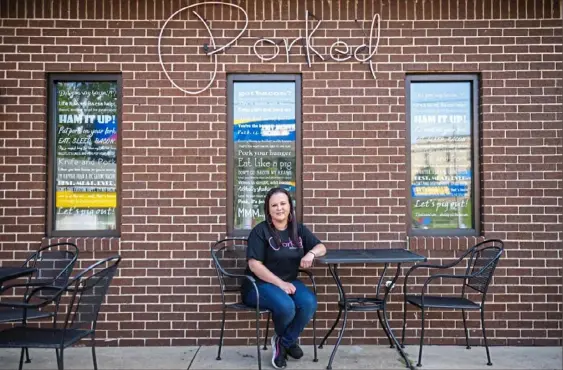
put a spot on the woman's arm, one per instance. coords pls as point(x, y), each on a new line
point(264, 274)
point(317, 251)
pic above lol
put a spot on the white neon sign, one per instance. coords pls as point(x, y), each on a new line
point(339, 51)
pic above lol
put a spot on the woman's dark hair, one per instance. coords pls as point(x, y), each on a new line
point(291, 222)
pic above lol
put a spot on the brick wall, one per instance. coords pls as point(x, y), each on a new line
point(174, 150)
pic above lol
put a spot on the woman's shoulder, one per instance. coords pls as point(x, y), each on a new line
point(260, 228)
point(302, 229)
point(261, 225)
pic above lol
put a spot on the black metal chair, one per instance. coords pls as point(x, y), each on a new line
point(53, 266)
point(229, 259)
point(88, 290)
point(481, 261)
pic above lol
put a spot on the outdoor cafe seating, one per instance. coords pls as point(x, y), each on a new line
point(229, 259)
point(478, 265)
point(50, 265)
point(374, 302)
point(87, 291)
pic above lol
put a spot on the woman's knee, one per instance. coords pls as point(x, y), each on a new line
point(285, 308)
point(309, 303)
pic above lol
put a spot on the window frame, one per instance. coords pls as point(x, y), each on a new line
point(474, 79)
point(52, 80)
point(232, 78)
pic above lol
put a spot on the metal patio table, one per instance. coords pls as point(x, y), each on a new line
point(9, 273)
point(377, 303)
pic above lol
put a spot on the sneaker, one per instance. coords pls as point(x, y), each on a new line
point(278, 353)
point(295, 351)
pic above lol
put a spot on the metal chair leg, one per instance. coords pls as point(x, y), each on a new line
point(489, 363)
point(385, 330)
point(267, 330)
point(315, 359)
point(465, 327)
point(221, 337)
point(404, 323)
point(21, 359)
point(27, 359)
point(421, 340)
point(94, 353)
point(259, 355)
point(332, 328)
point(61, 360)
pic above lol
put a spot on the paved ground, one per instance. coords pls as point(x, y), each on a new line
point(244, 357)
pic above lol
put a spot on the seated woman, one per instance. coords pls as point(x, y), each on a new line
point(277, 248)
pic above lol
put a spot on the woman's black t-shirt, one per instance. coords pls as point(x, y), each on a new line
point(283, 261)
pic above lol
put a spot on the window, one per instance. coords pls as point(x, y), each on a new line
point(84, 115)
point(443, 154)
point(264, 145)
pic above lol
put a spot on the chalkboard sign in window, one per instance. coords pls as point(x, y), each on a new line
point(83, 176)
point(443, 149)
point(264, 145)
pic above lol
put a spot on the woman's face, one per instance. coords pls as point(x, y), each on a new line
point(279, 208)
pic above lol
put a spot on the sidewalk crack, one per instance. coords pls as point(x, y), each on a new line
point(193, 358)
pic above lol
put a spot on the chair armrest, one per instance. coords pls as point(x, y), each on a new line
point(453, 276)
point(21, 285)
point(248, 277)
point(253, 282)
point(223, 272)
point(429, 266)
point(307, 272)
point(37, 288)
point(438, 276)
point(20, 305)
point(43, 302)
point(436, 266)
point(58, 290)
point(311, 277)
point(447, 276)
point(421, 265)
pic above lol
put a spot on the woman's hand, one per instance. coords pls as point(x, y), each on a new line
point(287, 287)
point(307, 261)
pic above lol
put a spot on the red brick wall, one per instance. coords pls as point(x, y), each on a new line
point(174, 150)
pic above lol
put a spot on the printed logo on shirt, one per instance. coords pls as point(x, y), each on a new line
point(289, 244)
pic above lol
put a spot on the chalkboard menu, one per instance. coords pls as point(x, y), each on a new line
point(264, 152)
point(441, 147)
point(85, 155)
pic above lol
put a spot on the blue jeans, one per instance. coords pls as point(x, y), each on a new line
point(290, 313)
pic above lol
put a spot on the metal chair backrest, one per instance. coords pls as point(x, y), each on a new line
point(229, 258)
point(53, 264)
point(89, 289)
point(482, 262)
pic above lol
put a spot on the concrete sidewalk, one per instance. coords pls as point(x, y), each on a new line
point(244, 357)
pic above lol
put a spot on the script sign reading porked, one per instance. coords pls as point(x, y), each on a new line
point(339, 51)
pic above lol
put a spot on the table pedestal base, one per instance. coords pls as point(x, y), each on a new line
point(365, 304)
